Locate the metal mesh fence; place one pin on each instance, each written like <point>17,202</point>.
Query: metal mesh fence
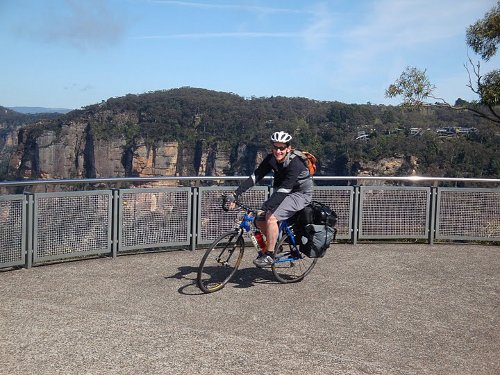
<point>155,217</point>
<point>213,221</point>
<point>468,214</point>
<point>340,200</point>
<point>69,224</point>
<point>80,223</point>
<point>11,228</point>
<point>394,212</point>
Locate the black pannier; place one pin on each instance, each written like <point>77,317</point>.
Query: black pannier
<point>316,240</point>
<point>315,229</point>
<point>323,214</point>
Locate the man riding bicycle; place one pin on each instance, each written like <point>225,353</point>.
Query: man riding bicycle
<point>292,190</point>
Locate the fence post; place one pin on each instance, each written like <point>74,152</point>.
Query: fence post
<point>29,230</point>
<point>433,213</point>
<point>355,208</point>
<point>115,221</point>
<point>194,218</point>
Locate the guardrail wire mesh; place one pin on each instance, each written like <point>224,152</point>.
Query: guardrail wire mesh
<point>11,228</point>
<point>468,214</point>
<point>67,224</point>
<point>155,217</point>
<point>394,212</point>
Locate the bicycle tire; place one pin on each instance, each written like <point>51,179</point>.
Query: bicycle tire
<point>290,266</point>
<point>220,261</point>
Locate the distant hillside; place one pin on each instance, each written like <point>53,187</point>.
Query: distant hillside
<point>9,117</point>
<point>198,132</point>
<point>36,110</point>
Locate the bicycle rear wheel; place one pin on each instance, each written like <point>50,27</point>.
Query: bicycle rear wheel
<point>220,261</point>
<point>289,264</point>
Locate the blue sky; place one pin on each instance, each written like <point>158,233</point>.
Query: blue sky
<point>73,53</point>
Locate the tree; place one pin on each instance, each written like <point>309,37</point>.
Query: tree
<point>483,38</point>
<point>413,85</point>
<point>490,88</point>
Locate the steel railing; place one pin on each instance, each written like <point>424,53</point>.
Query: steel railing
<point>44,226</point>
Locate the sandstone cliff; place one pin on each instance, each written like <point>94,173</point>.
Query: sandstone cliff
<point>74,151</point>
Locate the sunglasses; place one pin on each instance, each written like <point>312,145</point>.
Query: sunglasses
<point>281,148</point>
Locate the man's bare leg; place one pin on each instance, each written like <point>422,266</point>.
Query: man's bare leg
<point>269,227</point>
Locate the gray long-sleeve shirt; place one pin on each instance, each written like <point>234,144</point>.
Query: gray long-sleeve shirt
<point>289,177</point>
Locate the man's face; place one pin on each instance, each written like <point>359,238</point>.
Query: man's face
<point>280,150</point>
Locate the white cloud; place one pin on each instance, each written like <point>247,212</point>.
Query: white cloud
<point>394,34</point>
<point>393,25</point>
<point>239,7</point>
<point>223,35</point>
<point>84,25</point>
<point>314,34</point>
<point>320,29</point>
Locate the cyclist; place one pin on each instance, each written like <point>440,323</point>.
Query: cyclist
<point>292,190</point>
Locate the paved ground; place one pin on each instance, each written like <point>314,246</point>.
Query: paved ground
<point>365,309</point>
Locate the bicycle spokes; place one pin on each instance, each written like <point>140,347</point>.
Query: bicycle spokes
<point>220,262</point>
<point>289,264</point>
<point>226,253</point>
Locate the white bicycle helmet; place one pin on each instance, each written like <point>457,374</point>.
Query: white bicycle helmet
<point>281,137</point>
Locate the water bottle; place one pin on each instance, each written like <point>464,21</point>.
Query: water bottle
<point>260,240</point>
<point>254,241</point>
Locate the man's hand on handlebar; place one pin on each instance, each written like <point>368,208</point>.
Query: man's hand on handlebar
<point>229,202</point>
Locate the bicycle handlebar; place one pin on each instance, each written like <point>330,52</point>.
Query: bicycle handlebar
<point>226,201</point>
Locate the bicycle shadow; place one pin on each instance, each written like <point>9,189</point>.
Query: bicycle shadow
<point>243,278</point>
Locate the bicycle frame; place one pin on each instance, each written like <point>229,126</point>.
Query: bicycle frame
<point>246,221</point>
<point>284,228</point>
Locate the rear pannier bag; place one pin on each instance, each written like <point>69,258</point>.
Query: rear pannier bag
<point>317,230</point>
<point>316,240</point>
<point>322,214</point>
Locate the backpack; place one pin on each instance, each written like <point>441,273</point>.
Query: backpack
<point>309,160</point>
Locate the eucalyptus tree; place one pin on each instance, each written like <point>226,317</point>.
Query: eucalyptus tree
<point>483,37</point>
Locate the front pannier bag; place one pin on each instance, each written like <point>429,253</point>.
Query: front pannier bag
<point>318,235</point>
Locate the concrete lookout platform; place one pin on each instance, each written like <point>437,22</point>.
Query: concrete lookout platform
<point>364,309</point>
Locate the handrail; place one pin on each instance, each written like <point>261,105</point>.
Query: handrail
<point>229,178</point>
<point>116,179</point>
<point>408,178</point>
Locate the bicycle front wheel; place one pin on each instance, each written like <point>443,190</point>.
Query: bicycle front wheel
<point>290,266</point>
<point>220,261</point>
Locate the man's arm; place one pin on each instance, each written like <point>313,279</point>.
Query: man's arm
<point>262,170</point>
